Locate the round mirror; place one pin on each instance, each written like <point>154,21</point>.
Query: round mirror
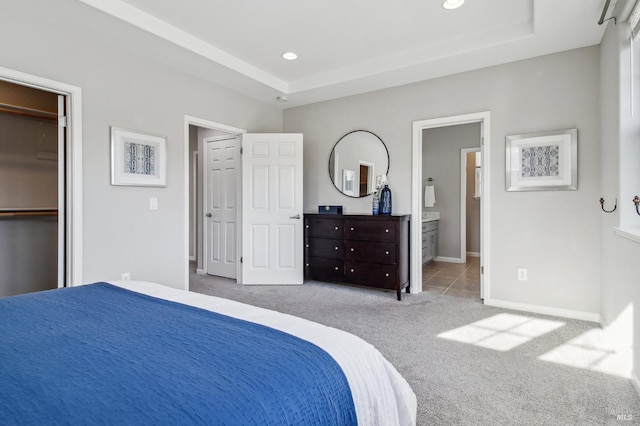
<point>357,162</point>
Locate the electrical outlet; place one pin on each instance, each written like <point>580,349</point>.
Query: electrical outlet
<point>153,203</point>
<point>126,276</point>
<point>522,274</point>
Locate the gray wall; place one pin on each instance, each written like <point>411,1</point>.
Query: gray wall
<point>545,232</point>
<point>126,90</point>
<point>620,177</point>
<point>441,161</point>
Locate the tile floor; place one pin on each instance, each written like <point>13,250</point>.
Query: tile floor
<point>453,279</point>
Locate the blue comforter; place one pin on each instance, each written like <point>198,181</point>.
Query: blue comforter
<point>102,354</point>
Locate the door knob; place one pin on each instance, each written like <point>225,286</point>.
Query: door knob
<point>295,217</point>
<point>208,215</point>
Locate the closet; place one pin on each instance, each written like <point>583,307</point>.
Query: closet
<point>30,148</point>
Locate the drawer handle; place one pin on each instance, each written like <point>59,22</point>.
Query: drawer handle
<point>336,228</point>
<point>353,229</point>
<point>386,275</point>
<point>352,270</point>
<point>307,264</point>
<point>336,247</point>
<point>386,230</point>
<point>352,249</point>
<point>336,268</point>
<point>306,245</point>
<point>386,252</point>
<point>307,226</point>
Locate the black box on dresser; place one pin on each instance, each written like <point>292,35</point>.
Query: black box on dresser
<point>358,249</point>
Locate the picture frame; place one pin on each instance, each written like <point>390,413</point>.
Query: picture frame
<point>138,159</point>
<point>542,161</point>
<point>349,182</point>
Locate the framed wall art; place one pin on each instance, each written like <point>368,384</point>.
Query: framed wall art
<point>138,159</point>
<point>544,161</point>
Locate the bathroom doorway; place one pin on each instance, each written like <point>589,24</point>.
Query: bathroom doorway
<point>454,253</point>
<point>448,161</point>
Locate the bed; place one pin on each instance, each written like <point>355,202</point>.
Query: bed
<point>142,353</point>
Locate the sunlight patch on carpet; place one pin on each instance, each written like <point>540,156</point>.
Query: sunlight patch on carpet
<point>608,350</point>
<point>501,332</point>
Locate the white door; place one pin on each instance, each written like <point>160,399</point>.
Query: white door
<point>272,241</point>
<point>222,173</point>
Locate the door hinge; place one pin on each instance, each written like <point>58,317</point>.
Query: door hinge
<point>240,150</point>
<point>62,121</point>
<point>240,259</point>
<point>482,269</point>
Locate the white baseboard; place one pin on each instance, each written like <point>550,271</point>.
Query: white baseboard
<point>635,382</point>
<point>545,310</point>
<point>473,254</point>
<point>201,272</point>
<point>448,259</point>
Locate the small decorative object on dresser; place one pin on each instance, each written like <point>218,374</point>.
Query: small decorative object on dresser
<point>358,249</point>
<point>329,209</point>
<point>385,200</point>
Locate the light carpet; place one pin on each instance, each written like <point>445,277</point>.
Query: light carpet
<point>469,364</point>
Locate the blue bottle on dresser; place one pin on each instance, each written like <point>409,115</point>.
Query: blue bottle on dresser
<point>385,200</point>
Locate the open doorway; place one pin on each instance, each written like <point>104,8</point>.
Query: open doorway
<point>267,201</point>
<point>420,181</point>
<point>41,206</point>
<point>448,215</point>
<point>214,198</point>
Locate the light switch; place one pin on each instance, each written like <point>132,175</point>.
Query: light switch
<point>153,203</point>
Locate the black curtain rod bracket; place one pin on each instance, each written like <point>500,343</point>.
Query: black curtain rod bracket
<point>605,9</point>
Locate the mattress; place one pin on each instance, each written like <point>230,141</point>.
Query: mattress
<point>379,394</point>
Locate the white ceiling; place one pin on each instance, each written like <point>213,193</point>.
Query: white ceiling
<point>343,47</point>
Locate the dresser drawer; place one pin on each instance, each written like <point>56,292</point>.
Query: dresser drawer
<point>325,228</point>
<point>370,230</point>
<point>324,247</point>
<point>374,252</point>
<point>324,269</point>
<point>373,275</point>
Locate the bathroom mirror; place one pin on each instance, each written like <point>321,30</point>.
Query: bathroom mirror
<point>357,162</point>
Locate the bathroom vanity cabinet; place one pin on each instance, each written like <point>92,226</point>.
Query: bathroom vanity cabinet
<point>429,241</point>
<point>358,249</point>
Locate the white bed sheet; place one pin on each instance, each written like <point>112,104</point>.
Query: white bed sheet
<point>380,394</point>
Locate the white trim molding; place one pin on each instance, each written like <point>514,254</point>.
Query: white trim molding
<point>545,310</point>
<point>632,234</point>
<point>449,259</point>
<point>635,382</point>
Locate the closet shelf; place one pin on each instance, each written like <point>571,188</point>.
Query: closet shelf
<point>29,112</point>
<point>27,213</point>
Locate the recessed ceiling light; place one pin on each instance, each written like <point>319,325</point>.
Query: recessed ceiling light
<point>452,4</point>
<point>289,56</point>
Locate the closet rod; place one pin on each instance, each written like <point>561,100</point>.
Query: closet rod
<point>27,213</point>
<point>29,112</point>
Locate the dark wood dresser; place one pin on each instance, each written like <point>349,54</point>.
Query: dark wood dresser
<point>358,249</point>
